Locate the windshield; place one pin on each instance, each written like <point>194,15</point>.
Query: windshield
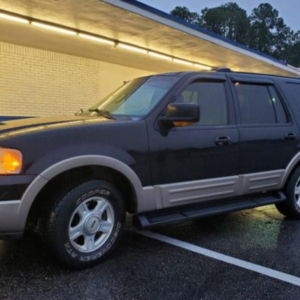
<point>137,97</point>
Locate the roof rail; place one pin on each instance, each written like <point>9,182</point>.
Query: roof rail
<point>225,70</point>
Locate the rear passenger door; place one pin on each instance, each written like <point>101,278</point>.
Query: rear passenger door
<point>268,133</point>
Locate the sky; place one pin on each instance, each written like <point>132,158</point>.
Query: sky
<point>288,9</point>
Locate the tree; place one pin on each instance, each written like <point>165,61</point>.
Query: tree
<point>185,14</point>
<point>262,21</point>
<point>263,30</point>
<point>269,34</point>
<point>228,20</point>
<point>283,40</point>
<point>293,52</point>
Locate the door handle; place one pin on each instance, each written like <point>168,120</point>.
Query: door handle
<point>290,136</point>
<point>223,140</point>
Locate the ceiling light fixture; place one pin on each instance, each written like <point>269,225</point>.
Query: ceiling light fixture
<point>132,48</point>
<point>91,37</point>
<point>13,18</point>
<point>184,62</point>
<point>202,67</point>
<point>55,28</point>
<point>159,55</point>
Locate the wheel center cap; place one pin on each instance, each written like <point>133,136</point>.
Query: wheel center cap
<point>92,225</point>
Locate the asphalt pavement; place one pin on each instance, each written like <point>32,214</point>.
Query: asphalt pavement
<point>145,268</point>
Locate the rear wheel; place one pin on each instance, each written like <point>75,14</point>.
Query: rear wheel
<point>84,225</point>
<point>291,207</point>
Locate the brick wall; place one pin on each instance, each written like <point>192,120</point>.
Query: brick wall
<point>35,82</point>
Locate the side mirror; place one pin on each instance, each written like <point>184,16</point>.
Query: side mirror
<point>181,112</point>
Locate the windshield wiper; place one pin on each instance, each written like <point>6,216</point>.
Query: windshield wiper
<point>102,113</point>
<point>79,112</point>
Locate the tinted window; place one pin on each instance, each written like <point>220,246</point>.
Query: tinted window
<point>280,113</point>
<point>259,104</point>
<point>294,89</point>
<point>211,98</point>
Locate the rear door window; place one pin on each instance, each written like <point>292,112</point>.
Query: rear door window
<point>259,104</point>
<point>280,113</point>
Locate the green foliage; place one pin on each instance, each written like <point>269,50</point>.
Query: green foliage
<point>293,53</point>
<point>263,21</point>
<point>185,14</point>
<point>228,20</point>
<point>263,30</point>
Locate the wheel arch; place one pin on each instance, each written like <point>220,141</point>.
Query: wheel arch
<point>292,166</point>
<point>77,162</point>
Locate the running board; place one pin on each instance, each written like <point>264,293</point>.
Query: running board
<point>173,216</point>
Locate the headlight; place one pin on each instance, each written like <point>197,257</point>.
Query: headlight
<point>10,161</point>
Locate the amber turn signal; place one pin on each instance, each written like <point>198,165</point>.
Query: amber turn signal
<point>10,161</point>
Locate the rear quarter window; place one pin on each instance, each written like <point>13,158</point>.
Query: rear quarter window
<point>293,90</point>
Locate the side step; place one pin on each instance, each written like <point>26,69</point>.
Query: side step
<point>181,214</point>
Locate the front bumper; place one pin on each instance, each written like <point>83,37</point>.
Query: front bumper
<point>9,226</point>
<point>12,189</point>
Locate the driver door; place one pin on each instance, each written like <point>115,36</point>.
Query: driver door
<point>196,163</point>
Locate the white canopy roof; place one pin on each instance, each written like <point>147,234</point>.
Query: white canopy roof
<point>131,22</point>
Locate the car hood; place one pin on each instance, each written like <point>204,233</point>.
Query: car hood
<point>29,125</point>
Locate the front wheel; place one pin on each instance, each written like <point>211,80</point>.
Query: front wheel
<point>85,224</point>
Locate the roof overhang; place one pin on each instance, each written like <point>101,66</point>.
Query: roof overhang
<point>134,23</point>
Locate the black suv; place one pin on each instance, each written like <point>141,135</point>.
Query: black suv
<point>165,148</point>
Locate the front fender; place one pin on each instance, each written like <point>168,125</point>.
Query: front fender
<point>43,178</point>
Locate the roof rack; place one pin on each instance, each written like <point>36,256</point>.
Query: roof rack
<point>228,70</point>
<point>223,69</point>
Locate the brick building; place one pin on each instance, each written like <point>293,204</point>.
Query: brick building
<point>57,56</point>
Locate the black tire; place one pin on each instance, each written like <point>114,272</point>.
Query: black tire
<point>58,222</point>
<point>290,208</point>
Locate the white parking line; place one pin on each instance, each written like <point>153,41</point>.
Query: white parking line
<point>225,258</point>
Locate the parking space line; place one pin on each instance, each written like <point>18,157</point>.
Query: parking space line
<point>224,258</point>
